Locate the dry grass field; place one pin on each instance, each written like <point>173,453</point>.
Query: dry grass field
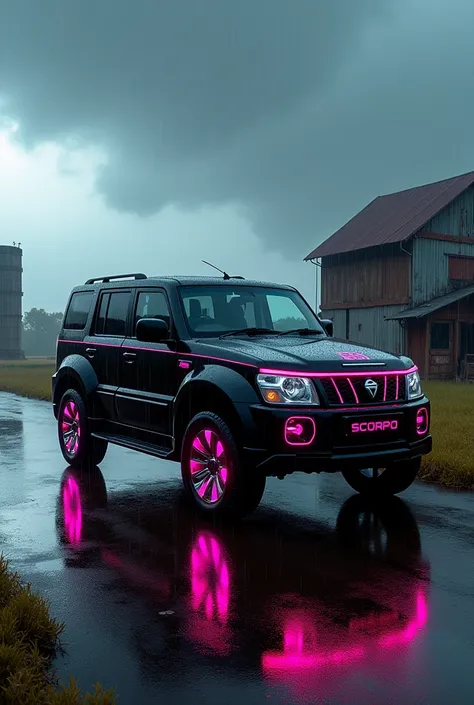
<point>451,463</point>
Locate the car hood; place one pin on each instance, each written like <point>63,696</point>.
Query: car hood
<point>300,353</point>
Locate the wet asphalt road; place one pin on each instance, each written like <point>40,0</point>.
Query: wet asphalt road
<point>316,598</point>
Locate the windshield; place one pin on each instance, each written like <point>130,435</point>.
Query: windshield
<point>214,310</point>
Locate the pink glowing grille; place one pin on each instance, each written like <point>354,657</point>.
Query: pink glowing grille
<point>350,389</point>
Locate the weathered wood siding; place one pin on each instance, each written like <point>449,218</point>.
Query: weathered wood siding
<point>456,219</point>
<point>368,326</point>
<point>373,277</point>
<point>431,267</point>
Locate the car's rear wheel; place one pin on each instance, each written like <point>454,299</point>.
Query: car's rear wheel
<point>383,481</point>
<point>78,447</point>
<point>213,474</point>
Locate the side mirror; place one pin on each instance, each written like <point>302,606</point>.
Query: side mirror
<point>152,330</point>
<point>327,324</point>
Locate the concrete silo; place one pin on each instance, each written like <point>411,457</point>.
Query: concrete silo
<point>10,302</point>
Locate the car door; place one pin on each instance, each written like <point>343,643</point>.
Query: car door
<point>147,373</point>
<point>102,347</point>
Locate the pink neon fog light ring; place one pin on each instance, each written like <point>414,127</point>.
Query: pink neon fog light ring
<point>422,421</point>
<point>296,422</point>
<point>329,375</point>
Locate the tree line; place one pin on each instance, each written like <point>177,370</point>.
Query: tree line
<point>40,332</point>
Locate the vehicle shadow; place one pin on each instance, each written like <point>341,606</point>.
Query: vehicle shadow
<point>260,589</point>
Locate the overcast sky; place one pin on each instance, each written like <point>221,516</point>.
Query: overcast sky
<point>151,134</point>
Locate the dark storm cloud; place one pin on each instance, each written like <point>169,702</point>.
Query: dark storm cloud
<point>251,102</point>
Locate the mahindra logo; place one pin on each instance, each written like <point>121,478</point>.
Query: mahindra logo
<point>371,387</point>
<point>369,426</point>
<point>353,356</point>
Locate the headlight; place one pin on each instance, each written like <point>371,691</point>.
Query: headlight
<point>287,390</point>
<point>414,385</point>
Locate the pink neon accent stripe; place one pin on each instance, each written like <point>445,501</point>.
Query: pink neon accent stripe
<point>396,388</point>
<point>166,352</point>
<point>367,373</point>
<point>385,389</point>
<point>337,390</point>
<point>262,370</point>
<point>353,390</point>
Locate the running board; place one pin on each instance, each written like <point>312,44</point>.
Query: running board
<point>133,444</point>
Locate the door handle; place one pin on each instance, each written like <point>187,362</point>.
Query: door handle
<point>90,352</point>
<point>129,357</point>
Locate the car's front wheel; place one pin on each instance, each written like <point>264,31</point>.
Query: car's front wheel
<point>212,470</point>
<point>390,480</point>
<point>78,447</point>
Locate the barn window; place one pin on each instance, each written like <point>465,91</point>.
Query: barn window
<point>439,336</point>
<point>461,268</point>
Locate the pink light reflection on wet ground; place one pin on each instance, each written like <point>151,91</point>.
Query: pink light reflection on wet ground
<point>72,511</point>
<point>210,594</point>
<point>299,653</point>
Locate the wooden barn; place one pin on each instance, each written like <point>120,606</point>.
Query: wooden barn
<point>400,276</point>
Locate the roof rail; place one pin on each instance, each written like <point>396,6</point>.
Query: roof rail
<point>105,280</point>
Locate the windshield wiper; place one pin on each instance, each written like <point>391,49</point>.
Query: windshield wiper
<point>301,331</point>
<point>250,331</point>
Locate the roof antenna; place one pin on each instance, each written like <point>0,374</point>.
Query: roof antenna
<point>226,276</point>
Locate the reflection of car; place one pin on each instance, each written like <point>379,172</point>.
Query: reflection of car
<point>284,596</point>
<point>238,381</point>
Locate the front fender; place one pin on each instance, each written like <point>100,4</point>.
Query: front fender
<point>211,388</point>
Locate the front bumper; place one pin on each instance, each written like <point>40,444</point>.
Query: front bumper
<point>334,447</point>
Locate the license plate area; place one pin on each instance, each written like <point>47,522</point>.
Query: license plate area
<point>371,428</point>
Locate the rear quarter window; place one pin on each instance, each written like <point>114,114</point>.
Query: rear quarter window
<point>78,310</point>
<point>113,313</point>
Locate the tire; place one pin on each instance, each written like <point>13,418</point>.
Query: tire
<point>227,488</point>
<point>72,419</point>
<point>392,480</point>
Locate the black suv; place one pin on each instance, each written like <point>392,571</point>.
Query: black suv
<point>238,380</point>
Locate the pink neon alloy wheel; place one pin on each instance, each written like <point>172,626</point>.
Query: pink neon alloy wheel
<point>71,428</point>
<point>208,466</point>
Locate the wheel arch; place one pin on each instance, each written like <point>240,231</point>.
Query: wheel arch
<point>75,372</point>
<point>218,390</point>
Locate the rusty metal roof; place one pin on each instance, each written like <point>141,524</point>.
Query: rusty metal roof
<point>433,305</point>
<point>393,218</point>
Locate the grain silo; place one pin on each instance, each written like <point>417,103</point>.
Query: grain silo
<point>10,302</point>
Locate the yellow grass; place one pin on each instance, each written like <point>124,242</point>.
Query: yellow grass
<point>451,463</point>
<point>30,378</point>
<point>29,640</point>
<point>452,415</point>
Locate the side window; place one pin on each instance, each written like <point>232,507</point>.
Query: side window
<point>113,312</point>
<point>284,313</point>
<point>152,304</point>
<point>78,310</point>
